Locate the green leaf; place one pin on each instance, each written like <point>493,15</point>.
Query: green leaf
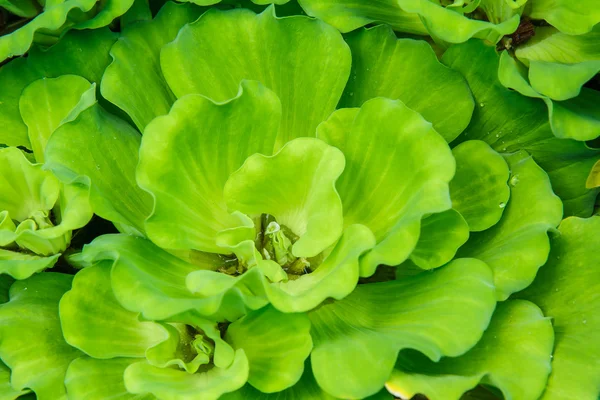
<point>517,344</point>
<point>406,69</point>
<point>305,389</point>
<point>297,187</point>
<point>517,246</point>
<point>100,151</point>
<point>93,321</point>
<point>172,384</point>
<point>6,390</point>
<point>21,8</point>
<point>440,237</point>
<point>334,278</point>
<point>92,379</point>
<point>566,289</point>
<point>593,179</point>
<point>138,12</point>
<point>559,64</point>
<point>348,15</point>
<point>136,60</point>
<point>450,25</point>
<point>5,284</point>
<point>31,195</point>
<point>187,156</point>
<point>479,190</point>
<point>276,345</point>
<point>151,281</point>
<point>50,20</point>
<point>182,349</point>
<point>439,313</point>
<point>21,265</point>
<point>509,122</point>
<point>307,63</point>
<point>32,344</point>
<point>389,191</point>
<point>577,118</point>
<point>574,18</point>
<point>82,53</point>
<point>108,11</point>
<point>26,187</point>
<point>45,104</point>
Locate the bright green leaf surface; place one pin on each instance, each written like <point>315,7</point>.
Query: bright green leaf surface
<point>479,190</point>
<point>303,60</point>
<point>51,19</point>
<point>45,104</point>
<point>572,17</point>
<point>513,355</point>
<point>100,151</point>
<point>517,246</point>
<point>32,344</point>
<point>409,70</point>
<point>6,390</point>
<point>297,187</point>
<point>187,156</point>
<point>397,170</point>
<point>559,64</point>
<point>85,374</point>
<point>276,345</point>
<point>26,188</point>
<point>149,280</point>
<point>566,289</point>
<point>441,236</point>
<point>576,118</point>
<point>509,122</point>
<point>347,15</point>
<point>93,321</point>
<point>451,26</point>
<point>136,60</point>
<point>439,313</point>
<point>172,384</point>
<point>82,53</point>
<point>593,179</point>
<point>306,389</point>
<point>29,197</point>
<point>21,265</point>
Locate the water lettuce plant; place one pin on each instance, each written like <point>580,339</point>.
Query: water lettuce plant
<point>228,203</point>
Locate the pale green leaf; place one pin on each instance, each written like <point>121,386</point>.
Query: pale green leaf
<point>276,345</point>
<point>517,246</point>
<point>91,379</point>
<point>187,156</point>
<point>136,60</point>
<point>397,170</point>
<point>32,343</point>
<point>439,313</point>
<point>566,289</point>
<point>480,190</point>
<point>513,356</point>
<point>406,69</point>
<point>303,60</point>
<point>100,151</point>
<point>297,187</point>
<point>93,321</point>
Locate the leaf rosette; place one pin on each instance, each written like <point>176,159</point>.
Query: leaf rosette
<point>292,202</point>
<point>38,215</point>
